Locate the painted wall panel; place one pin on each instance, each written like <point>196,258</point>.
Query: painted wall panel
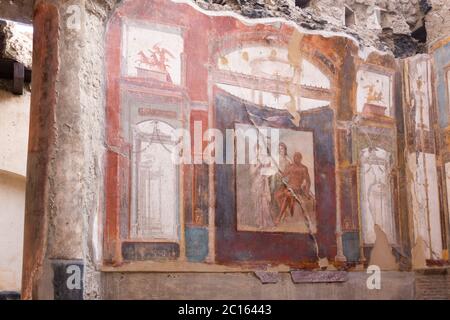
<point>441,59</point>
<point>425,202</point>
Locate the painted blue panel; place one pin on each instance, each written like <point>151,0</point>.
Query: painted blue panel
<point>196,243</point>
<point>441,60</point>
<point>350,241</point>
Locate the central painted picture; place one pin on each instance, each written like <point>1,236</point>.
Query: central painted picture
<point>278,195</point>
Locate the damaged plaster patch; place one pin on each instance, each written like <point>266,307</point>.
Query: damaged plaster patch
<point>365,48</point>
<point>268,277</point>
<point>303,276</point>
<point>16,42</point>
<point>418,254</point>
<point>381,254</point>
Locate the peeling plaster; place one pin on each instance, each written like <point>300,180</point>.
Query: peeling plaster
<point>381,254</point>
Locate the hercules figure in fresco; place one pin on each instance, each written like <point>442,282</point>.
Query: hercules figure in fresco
<point>276,181</point>
<point>297,187</point>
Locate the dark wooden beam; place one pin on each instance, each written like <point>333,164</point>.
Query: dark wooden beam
<point>19,78</point>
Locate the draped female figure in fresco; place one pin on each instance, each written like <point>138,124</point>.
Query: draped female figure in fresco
<point>260,173</point>
<point>276,181</point>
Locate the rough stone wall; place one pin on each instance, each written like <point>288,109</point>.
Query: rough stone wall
<point>437,21</point>
<point>92,101</point>
<point>17,43</point>
<point>390,30</point>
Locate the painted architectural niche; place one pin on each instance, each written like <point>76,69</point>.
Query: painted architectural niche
<point>279,81</point>
<point>374,100</point>
<point>153,52</point>
<point>374,94</point>
<point>154,183</point>
<point>376,194</point>
<point>151,57</point>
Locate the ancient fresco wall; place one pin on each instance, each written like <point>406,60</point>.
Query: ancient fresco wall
<point>422,167</point>
<point>426,123</point>
<point>352,159</point>
<point>441,76</point>
<point>302,79</point>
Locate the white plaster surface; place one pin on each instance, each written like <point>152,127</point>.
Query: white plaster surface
<point>12,200</point>
<point>14,123</point>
